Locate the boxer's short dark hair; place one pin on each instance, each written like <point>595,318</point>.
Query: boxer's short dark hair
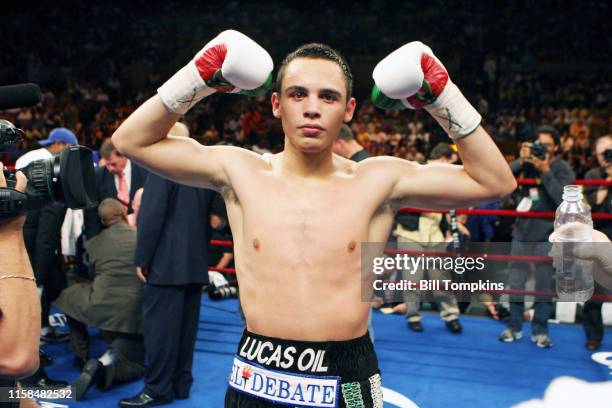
<point>317,51</point>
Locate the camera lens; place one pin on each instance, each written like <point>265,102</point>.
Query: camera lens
<point>40,178</point>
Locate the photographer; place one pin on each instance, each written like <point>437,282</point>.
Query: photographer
<point>63,179</point>
<point>530,236</point>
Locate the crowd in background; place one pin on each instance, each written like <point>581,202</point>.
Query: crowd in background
<point>94,115</point>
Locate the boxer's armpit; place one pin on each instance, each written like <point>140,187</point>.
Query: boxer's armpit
<point>228,193</point>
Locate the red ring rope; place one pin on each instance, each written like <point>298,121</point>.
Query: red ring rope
<point>504,213</point>
<point>589,182</point>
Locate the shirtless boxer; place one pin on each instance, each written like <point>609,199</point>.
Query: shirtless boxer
<point>299,217</point>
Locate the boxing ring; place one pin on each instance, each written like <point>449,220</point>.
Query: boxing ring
<point>434,368</point>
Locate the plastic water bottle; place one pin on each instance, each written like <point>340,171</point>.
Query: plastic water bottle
<point>574,276</point>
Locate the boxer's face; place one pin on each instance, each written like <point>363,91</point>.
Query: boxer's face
<point>312,104</point>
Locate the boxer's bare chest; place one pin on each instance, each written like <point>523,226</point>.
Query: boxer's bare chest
<point>309,220</point>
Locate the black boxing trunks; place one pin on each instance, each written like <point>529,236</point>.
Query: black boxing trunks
<point>270,372</point>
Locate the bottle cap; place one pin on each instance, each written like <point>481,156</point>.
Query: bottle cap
<point>572,193</point>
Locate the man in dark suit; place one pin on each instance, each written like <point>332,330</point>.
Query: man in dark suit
<point>119,178</point>
<point>171,257</point>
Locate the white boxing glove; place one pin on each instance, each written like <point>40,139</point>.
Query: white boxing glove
<point>231,62</point>
<point>412,77</point>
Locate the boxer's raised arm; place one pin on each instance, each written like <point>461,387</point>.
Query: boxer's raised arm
<point>231,62</point>
<point>447,186</point>
<point>412,77</point>
<point>143,138</point>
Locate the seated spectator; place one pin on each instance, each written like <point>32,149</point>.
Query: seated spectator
<point>111,302</point>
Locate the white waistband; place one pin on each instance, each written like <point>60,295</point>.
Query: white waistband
<point>282,387</point>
